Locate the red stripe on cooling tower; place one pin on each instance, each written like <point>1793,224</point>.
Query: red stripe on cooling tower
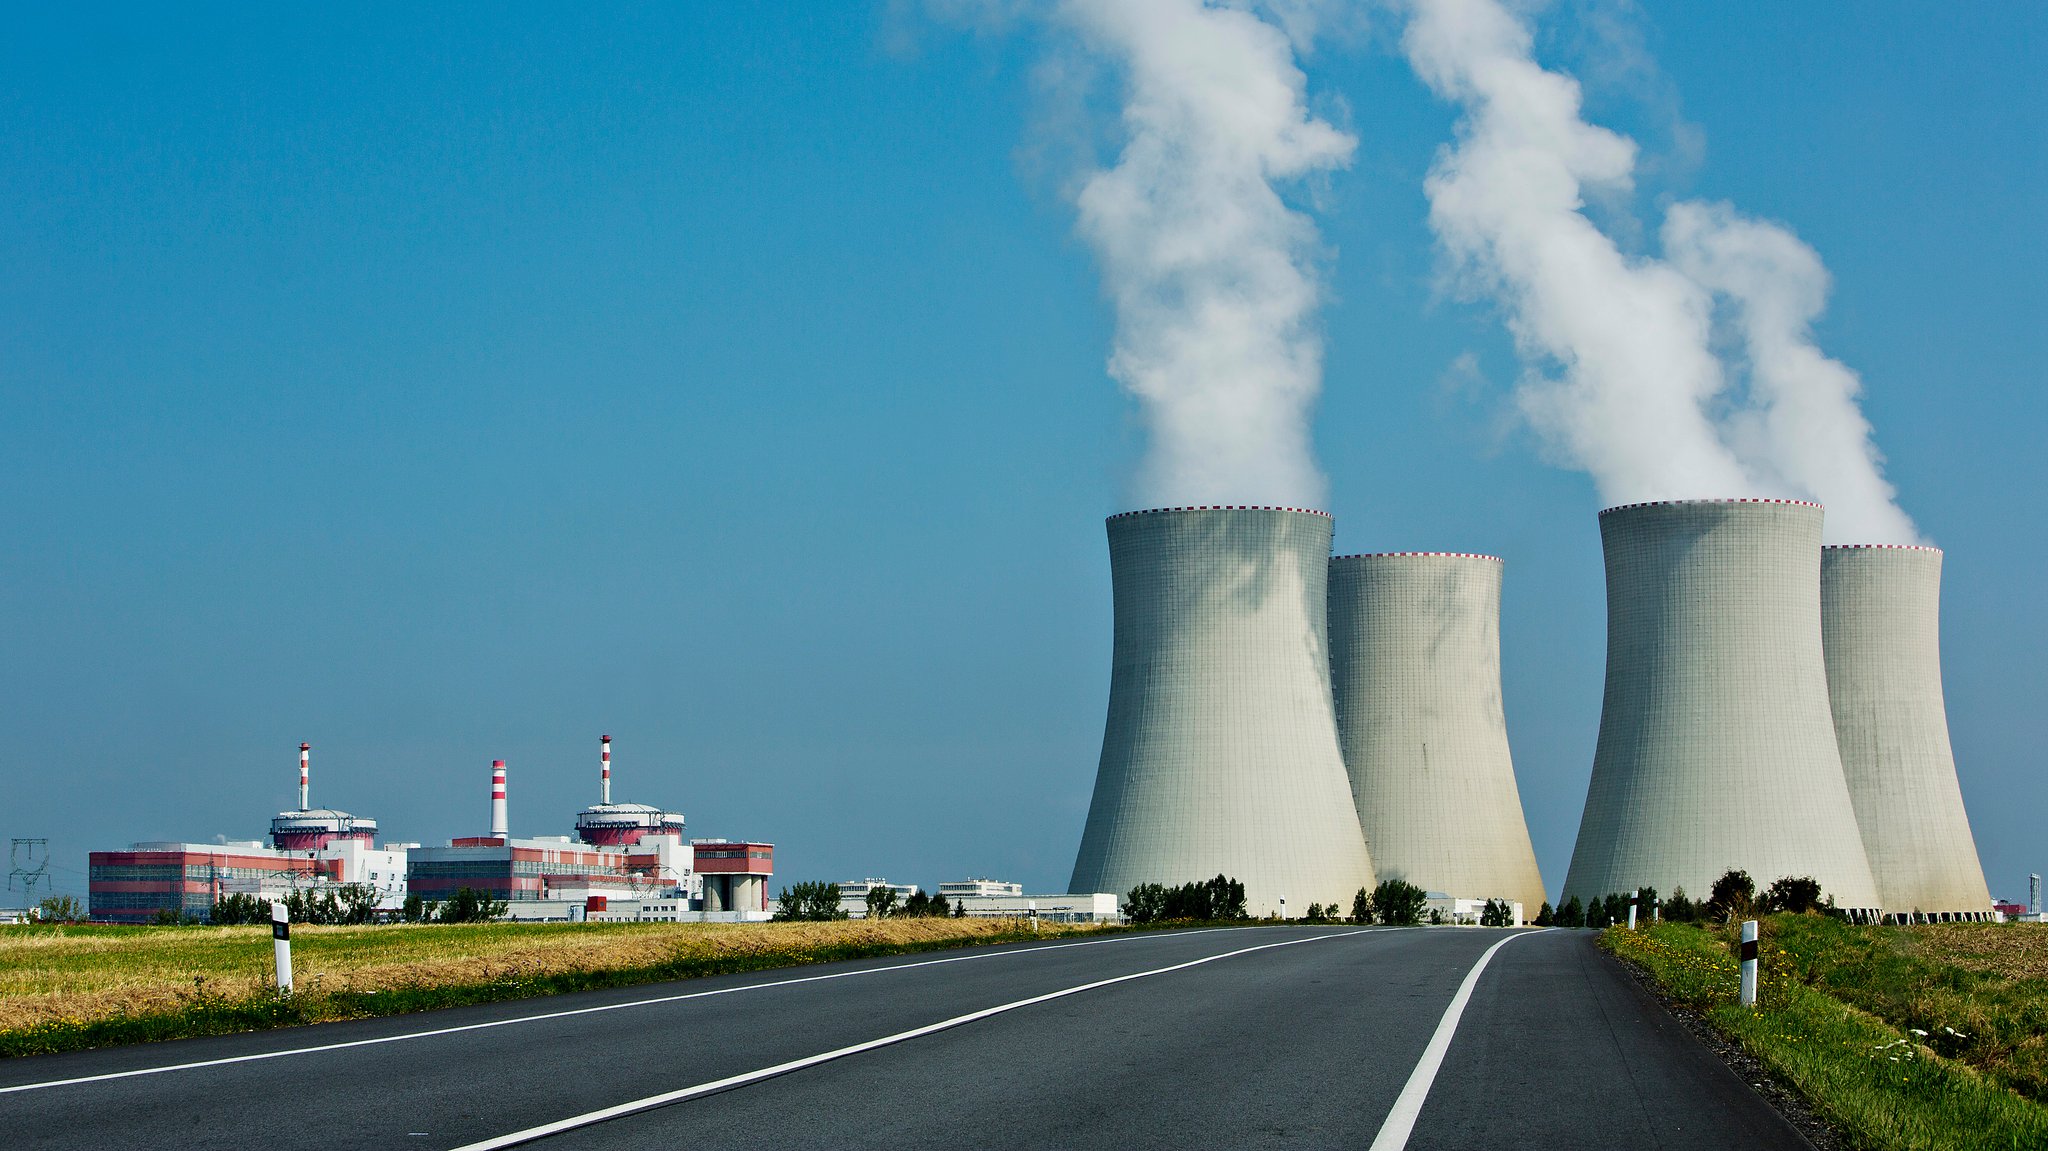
<point>1880,547</point>
<point>1729,500</point>
<point>1220,508</point>
<point>1408,555</point>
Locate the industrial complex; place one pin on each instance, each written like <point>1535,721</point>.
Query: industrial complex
<point>1310,725</point>
<point>627,862</point>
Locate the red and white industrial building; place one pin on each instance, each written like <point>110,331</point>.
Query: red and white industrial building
<point>309,848</point>
<point>628,862</point>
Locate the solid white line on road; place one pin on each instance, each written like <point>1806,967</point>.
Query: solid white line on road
<point>438,1031</point>
<point>1400,1122</point>
<point>651,1102</point>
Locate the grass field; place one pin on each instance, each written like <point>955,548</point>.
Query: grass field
<point>1900,1037</point>
<point>71,987</point>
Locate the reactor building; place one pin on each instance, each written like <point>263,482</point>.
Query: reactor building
<point>1415,675</point>
<point>1220,752</point>
<point>313,828</point>
<point>1717,740</point>
<point>608,824</point>
<point>1880,627</point>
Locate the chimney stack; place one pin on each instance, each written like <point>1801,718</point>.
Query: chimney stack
<point>498,825</point>
<point>605,742</point>
<point>305,753</point>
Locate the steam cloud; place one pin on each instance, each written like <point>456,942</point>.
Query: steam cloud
<point>1804,427</point>
<point>1639,399</point>
<point>1211,274</point>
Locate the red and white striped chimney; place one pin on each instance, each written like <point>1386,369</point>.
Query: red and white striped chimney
<point>305,753</point>
<point>499,827</point>
<point>605,742</point>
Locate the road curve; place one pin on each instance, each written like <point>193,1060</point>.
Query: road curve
<point>1269,1037</point>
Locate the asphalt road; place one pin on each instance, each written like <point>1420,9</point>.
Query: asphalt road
<point>1267,1037</point>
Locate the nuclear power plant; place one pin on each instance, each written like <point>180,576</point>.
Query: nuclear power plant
<point>1220,753</point>
<point>1717,741</point>
<point>1415,673</point>
<point>1881,629</point>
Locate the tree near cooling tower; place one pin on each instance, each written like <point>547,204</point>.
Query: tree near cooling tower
<point>1733,897</point>
<point>1398,902</point>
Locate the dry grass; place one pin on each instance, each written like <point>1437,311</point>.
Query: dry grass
<point>2011,951</point>
<point>72,976</point>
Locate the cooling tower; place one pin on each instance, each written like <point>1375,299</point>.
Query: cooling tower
<point>1717,745</point>
<point>1415,673</point>
<point>1220,753</point>
<point>1880,613</point>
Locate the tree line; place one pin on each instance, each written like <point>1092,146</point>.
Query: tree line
<point>820,902</point>
<point>352,903</point>
<point>1733,897</point>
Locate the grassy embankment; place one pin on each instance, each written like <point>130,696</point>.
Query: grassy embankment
<point>1900,1037</point>
<point>73,987</point>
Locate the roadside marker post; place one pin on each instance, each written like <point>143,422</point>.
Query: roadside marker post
<point>1749,963</point>
<point>1635,899</point>
<point>1033,905</point>
<point>281,942</point>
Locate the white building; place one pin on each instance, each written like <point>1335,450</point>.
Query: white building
<point>1466,912</point>
<point>979,888</point>
<point>1098,907</point>
<point>853,894</point>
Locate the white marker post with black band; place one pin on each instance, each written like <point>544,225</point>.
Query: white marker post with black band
<point>1635,900</point>
<point>1749,963</point>
<point>281,942</point>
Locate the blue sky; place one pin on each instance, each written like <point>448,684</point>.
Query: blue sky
<point>440,388</point>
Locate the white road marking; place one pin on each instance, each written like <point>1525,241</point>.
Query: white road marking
<point>651,1102</point>
<point>439,1031</point>
<point>1400,1122</point>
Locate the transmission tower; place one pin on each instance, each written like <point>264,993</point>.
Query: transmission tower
<point>28,863</point>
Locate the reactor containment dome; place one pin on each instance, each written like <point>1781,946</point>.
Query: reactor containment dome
<point>1415,673</point>
<point>1717,743</point>
<point>312,828</point>
<point>1220,752</point>
<point>608,824</point>
<point>1880,610</point>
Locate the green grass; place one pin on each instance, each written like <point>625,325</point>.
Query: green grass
<point>76,987</point>
<point>1836,1014</point>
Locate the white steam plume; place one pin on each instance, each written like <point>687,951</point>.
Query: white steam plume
<point>1212,275</point>
<point>1638,386</point>
<point>1628,337</point>
<point>1803,423</point>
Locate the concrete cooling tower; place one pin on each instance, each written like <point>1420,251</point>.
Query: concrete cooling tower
<point>1717,744</point>
<point>1880,615</point>
<point>1220,753</point>
<point>1415,672</point>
